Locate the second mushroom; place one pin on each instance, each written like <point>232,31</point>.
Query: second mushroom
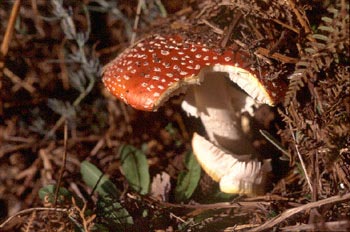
<point>219,86</point>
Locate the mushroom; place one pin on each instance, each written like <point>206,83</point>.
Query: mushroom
<point>158,67</point>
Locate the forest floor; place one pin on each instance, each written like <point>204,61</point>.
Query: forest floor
<point>59,126</point>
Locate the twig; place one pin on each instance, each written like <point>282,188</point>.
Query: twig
<point>6,41</point>
<point>230,29</point>
<point>276,56</point>
<point>301,159</point>
<point>10,27</point>
<point>215,29</point>
<point>221,205</point>
<point>286,26</point>
<point>290,212</point>
<point>162,9</point>
<point>64,161</point>
<point>17,80</point>
<point>136,22</point>
<point>326,226</point>
<point>301,20</point>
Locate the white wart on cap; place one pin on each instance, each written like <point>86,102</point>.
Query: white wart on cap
<point>154,69</point>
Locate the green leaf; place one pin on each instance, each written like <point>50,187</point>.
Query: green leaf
<point>135,168</point>
<point>48,192</point>
<point>95,179</point>
<point>113,214</point>
<point>188,180</point>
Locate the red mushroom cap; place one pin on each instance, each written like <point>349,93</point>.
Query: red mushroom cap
<point>158,67</point>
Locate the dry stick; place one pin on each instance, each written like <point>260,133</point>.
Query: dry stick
<point>10,27</point>
<point>136,22</point>
<point>290,212</point>
<point>301,159</point>
<point>301,20</point>
<point>221,205</point>
<point>230,29</point>
<point>17,80</point>
<point>215,29</point>
<point>343,225</point>
<point>296,30</point>
<point>277,56</point>
<point>6,41</point>
<point>65,138</point>
<point>26,211</point>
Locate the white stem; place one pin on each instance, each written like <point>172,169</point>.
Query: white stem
<point>219,104</point>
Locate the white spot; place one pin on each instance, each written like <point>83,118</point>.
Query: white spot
<point>164,52</point>
<point>163,80</point>
<point>160,87</point>
<point>156,78</point>
<point>198,56</point>
<point>156,69</point>
<point>174,58</point>
<point>156,94</point>
<point>215,57</point>
<point>206,58</point>
<point>227,58</point>
<point>147,76</point>
<point>145,63</point>
<point>133,71</point>
<point>158,37</point>
<point>169,75</point>
<point>183,73</point>
<point>126,77</point>
<point>193,49</point>
<point>144,84</point>
<point>189,67</point>
<point>205,49</point>
<point>197,67</point>
<point>176,67</point>
<point>143,56</point>
<point>180,53</point>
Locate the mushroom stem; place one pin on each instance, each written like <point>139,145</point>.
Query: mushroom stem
<point>219,104</point>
